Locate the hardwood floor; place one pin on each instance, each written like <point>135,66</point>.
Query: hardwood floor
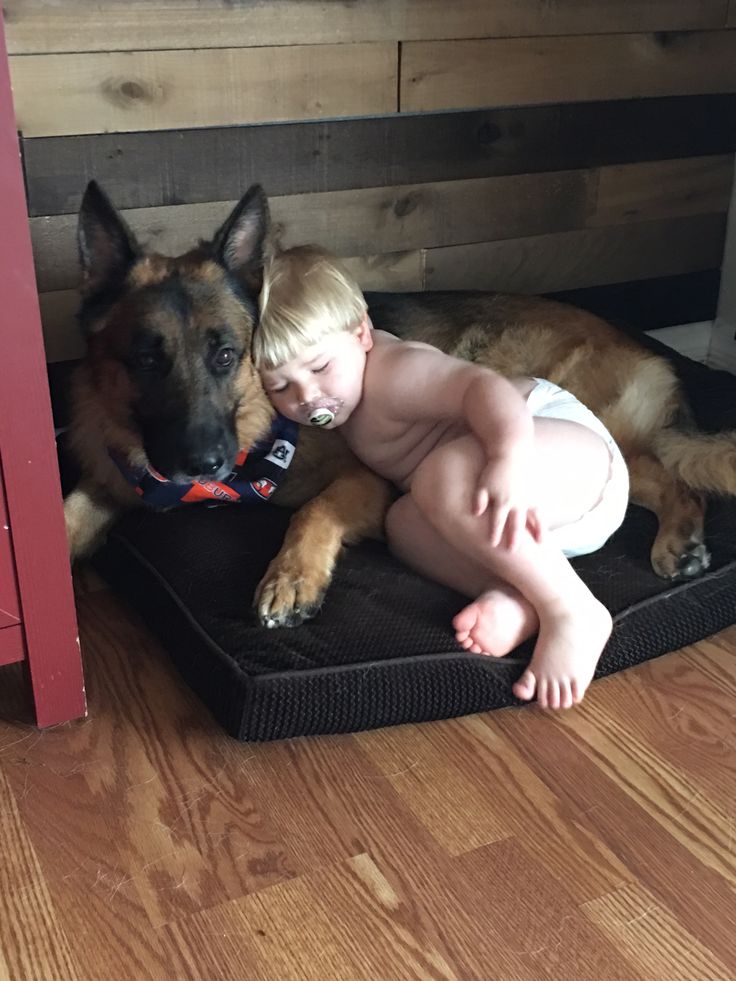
<point>144,843</point>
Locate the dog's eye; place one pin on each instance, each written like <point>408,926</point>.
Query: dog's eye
<point>146,360</point>
<point>225,357</point>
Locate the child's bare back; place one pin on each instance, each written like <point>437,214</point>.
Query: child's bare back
<point>411,404</point>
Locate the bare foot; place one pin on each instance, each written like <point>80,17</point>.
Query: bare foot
<point>565,657</point>
<point>497,622</point>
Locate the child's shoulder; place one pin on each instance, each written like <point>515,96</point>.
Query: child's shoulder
<point>396,347</point>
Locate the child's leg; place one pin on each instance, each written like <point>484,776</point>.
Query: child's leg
<point>498,619</point>
<point>573,467</point>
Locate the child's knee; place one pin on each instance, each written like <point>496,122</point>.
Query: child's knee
<point>396,517</point>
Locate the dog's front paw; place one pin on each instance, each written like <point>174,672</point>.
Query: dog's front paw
<point>286,598</point>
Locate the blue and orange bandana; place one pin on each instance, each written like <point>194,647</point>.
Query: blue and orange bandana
<point>256,475</point>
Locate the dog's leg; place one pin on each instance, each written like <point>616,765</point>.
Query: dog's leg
<point>352,507</point>
<point>87,514</point>
<point>678,551</point>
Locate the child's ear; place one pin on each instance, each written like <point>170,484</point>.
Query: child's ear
<point>364,332</point>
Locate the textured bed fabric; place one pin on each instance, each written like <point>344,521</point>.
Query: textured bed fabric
<point>381,650</point>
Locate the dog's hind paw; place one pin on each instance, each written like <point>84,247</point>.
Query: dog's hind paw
<point>687,562</point>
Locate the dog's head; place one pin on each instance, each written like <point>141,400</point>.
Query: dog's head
<point>169,338</point>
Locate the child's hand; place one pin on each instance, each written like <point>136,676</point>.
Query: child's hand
<point>503,495</point>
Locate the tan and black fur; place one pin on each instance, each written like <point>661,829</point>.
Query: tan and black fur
<point>151,389</point>
<point>168,380</point>
<point>635,392</point>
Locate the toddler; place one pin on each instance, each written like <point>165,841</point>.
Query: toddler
<point>501,479</point>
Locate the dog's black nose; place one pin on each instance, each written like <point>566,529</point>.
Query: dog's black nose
<point>204,465</point>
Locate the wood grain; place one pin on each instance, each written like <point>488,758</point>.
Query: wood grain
<point>429,216</point>
<point>164,167</point>
<point>383,219</point>
<point>516,844</point>
<point>30,930</point>
<point>521,71</point>
<point>44,26</point>
<point>632,919</point>
<point>573,260</point>
<point>663,189</point>
<point>109,92</point>
<point>63,340</point>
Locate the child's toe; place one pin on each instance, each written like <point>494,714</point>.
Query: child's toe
<point>525,686</point>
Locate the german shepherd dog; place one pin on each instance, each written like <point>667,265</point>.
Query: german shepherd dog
<point>168,383</point>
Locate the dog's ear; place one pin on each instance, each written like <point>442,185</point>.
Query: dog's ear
<point>107,247</point>
<point>239,242</point>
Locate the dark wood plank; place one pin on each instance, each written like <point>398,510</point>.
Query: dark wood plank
<point>188,166</point>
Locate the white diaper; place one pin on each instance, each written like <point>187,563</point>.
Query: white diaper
<point>593,529</point>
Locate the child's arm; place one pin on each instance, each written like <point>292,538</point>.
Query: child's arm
<point>419,382</point>
<point>498,416</point>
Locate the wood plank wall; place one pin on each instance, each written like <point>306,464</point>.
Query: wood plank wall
<point>572,148</point>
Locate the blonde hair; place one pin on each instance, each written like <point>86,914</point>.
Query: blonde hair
<point>306,295</point>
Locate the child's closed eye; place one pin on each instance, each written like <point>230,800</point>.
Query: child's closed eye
<point>317,371</point>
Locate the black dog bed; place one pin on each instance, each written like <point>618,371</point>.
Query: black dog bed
<point>381,651</point>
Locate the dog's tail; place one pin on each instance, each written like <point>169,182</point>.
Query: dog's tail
<point>702,461</point>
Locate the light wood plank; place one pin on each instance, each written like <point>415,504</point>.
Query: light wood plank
<point>492,792</point>
<point>465,74</point>
<point>405,761</point>
<point>383,220</point>
<point>63,340</point>
<point>43,26</point>
<point>374,893</point>
<point>659,787</point>
<point>32,941</point>
<point>542,921</point>
<point>62,337</point>
<point>663,189</point>
<point>418,216</point>
<point>642,930</point>
<point>95,93</point>
<point>346,906</point>
<point>573,260</point>
<point>392,271</point>
<point>689,717</point>
<point>696,894</point>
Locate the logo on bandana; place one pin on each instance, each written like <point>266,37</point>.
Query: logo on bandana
<point>263,487</point>
<point>281,453</point>
<point>257,473</point>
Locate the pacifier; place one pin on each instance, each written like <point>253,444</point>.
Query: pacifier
<point>322,411</point>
